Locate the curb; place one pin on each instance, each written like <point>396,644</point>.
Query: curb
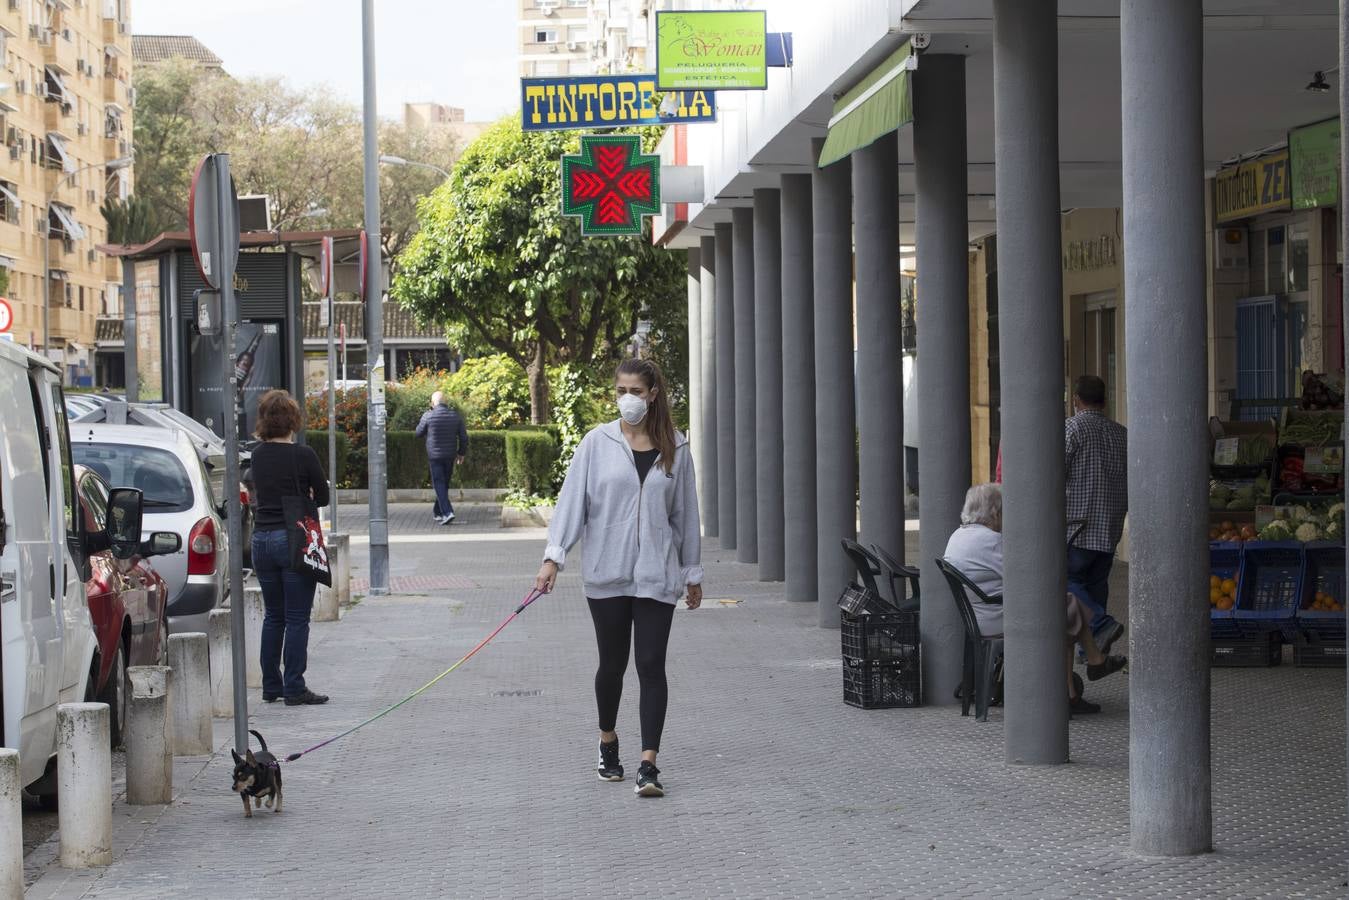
<point>425,495</point>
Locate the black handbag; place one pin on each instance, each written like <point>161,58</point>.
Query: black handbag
<point>304,533</point>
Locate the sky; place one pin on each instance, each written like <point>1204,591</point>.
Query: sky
<point>456,52</point>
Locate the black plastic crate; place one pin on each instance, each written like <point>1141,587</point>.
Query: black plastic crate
<point>882,685</point>
<point>1224,563</point>
<point>1270,589</point>
<point>1324,574</point>
<point>880,637</point>
<point>1260,651</point>
<point>1317,655</point>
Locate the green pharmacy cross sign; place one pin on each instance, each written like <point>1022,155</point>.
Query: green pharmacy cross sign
<point>610,185</point>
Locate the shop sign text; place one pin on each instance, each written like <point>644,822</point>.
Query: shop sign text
<point>1090,255</point>
<point>720,51</point>
<point>1314,154</point>
<point>1260,186</point>
<point>596,101</point>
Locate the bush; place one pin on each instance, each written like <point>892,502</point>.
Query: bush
<point>351,423</point>
<point>484,467</point>
<point>414,399</point>
<point>319,441</point>
<point>529,461</point>
<point>495,388</point>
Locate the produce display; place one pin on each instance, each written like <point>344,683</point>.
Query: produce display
<point>1312,431</point>
<point>1306,524</point>
<point>1233,533</point>
<point>1254,450</point>
<point>1324,602</point>
<point>1241,496</point>
<point>1321,392</point>
<point>1222,592</point>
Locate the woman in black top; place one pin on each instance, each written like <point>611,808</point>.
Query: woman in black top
<point>282,469</point>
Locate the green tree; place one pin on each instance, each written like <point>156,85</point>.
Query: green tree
<point>495,254</point>
<point>134,220</point>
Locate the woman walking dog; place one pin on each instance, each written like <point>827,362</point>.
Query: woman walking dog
<point>630,492</point>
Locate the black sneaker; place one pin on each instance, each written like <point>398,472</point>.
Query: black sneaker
<point>270,698</point>
<point>1109,666</point>
<point>1080,706</point>
<point>647,785</point>
<point>308,698</point>
<point>609,768</point>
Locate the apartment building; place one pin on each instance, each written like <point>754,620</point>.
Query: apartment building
<point>554,37</point>
<point>65,115</point>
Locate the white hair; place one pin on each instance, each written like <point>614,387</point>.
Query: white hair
<point>983,506</point>
<point>437,398</point>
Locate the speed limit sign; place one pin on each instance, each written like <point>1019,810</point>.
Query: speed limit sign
<point>6,315</point>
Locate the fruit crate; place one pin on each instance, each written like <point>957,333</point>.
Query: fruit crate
<point>1225,565</point>
<point>1323,577</point>
<point>1260,651</point>
<point>1270,589</point>
<point>1318,655</point>
<point>882,685</point>
<point>880,637</point>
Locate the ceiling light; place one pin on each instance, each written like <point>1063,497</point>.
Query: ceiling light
<point>1318,84</point>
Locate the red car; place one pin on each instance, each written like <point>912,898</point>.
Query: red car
<point>127,603</point>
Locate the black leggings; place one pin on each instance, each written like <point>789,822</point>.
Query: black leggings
<point>620,622</point>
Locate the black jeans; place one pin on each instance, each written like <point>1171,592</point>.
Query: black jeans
<point>441,472</point>
<point>1089,579</point>
<point>619,623</point>
<point>287,599</point>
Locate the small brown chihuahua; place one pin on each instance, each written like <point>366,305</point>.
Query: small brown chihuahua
<point>257,776</point>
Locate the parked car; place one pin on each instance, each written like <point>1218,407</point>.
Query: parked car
<point>163,463</point>
<point>47,643</point>
<point>82,404</point>
<point>128,603</point>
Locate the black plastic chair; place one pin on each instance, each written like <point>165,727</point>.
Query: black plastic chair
<point>981,653</point>
<point>897,573</point>
<point>868,569</point>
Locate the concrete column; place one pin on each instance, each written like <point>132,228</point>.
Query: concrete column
<point>798,390</point>
<point>1344,232</point>
<point>11,826</point>
<point>725,405</point>
<point>880,358</point>
<point>1170,792</point>
<point>190,693</point>
<point>707,475</point>
<point>222,666</point>
<point>943,332</point>
<point>253,635</point>
<point>695,373</point>
<point>768,380</point>
<point>746,399</point>
<point>149,747</point>
<point>325,603</point>
<point>1030,334</point>
<point>835,404</point>
<point>84,784</point>
<point>339,547</point>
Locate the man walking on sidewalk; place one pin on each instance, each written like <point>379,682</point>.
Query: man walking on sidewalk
<point>1095,453</point>
<point>446,444</point>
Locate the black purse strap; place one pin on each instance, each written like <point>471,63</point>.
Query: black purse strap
<point>295,469</point>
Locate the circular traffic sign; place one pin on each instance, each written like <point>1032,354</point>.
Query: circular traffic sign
<point>325,266</point>
<point>365,253</point>
<point>6,315</point>
<point>212,220</point>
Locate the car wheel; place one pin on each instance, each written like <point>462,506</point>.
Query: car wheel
<point>116,693</point>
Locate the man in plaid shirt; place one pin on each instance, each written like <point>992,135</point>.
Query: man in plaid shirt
<point>1095,454</point>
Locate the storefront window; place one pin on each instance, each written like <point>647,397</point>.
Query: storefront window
<point>1275,258</point>
<point>1257,242</point>
<point>1299,239</point>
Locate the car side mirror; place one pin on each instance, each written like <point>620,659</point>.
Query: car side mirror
<point>161,543</point>
<point>125,509</point>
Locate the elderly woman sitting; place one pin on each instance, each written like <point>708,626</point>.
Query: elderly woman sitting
<point>976,550</point>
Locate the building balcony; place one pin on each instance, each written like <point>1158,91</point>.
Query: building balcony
<point>114,90</point>
<point>116,147</point>
<point>62,53</point>
<point>65,322</point>
<point>55,117</point>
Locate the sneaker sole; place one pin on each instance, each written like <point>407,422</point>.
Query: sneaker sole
<point>603,777</point>
<point>649,790</point>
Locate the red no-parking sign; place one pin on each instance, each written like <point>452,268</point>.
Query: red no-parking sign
<point>6,316</point>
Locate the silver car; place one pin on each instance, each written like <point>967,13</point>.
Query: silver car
<point>164,464</point>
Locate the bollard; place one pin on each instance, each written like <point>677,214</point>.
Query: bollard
<point>84,784</point>
<point>11,826</point>
<point>149,752</point>
<point>222,666</point>
<point>253,635</point>
<point>190,694</point>
<point>340,549</point>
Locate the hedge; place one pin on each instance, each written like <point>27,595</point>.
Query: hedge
<point>484,467</point>
<point>319,441</point>
<point>530,456</point>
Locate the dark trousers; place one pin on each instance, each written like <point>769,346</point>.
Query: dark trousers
<point>621,622</point>
<point>287,599</point>
<point>441,472</point>
<point>1089,579</point>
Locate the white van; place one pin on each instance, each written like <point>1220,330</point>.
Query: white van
<point>47,641</point>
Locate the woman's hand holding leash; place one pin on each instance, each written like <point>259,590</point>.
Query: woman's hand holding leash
<point>547,577</point>
<point>695,598</point>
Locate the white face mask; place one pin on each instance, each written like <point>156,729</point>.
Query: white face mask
<point>632,408</point>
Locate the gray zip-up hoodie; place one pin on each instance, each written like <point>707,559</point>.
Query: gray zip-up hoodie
<point>641,538</point>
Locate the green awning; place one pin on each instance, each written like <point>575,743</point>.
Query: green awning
<point>879,104</point>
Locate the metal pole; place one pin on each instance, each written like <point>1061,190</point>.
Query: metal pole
<point>697,439</point>
<point>835,392</point>
<point>725,408</point>
<point>798,390</point>
<point>1170,791</point>
<point>332,404</point>
<point>707,475</point>
<point>233,509</point>
<point>47,280</point>
<point>939,150</point>
<point>746,426</point>
<point>880,358</point>
<point>1030,334</point>
<point>768,380</point>
<point>374,338</point>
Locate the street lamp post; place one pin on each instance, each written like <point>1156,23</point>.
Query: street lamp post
<point>399,161</point>
<point>113,166</point>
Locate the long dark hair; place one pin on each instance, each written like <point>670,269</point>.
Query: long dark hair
<point>659,423</point>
